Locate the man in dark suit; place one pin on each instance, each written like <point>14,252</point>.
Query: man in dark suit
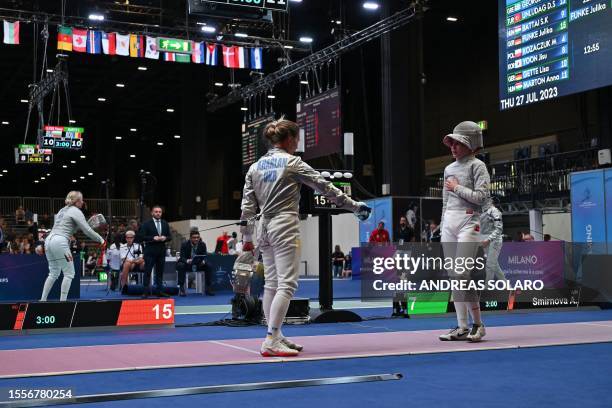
<point>189,250</point>
<point>154,234</point>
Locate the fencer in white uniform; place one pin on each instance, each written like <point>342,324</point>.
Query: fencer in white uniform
<point>466,189</point>
<point>67,222</point>
<point>272,185</point>
<point>491,231</point>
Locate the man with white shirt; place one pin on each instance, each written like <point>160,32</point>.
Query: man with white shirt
<point>132,258</point>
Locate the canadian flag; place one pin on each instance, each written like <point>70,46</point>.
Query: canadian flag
<point>79,40</point>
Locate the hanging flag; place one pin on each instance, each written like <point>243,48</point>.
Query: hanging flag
<point>79,40</point>
<point>137,49</point>
<point>211,54</point>
<point>198,53</point>
<point>64,38</point>
<point>152,52</point>
<point>229,57</point>
<point>109,43</point>
<point>169,56</point>
<point>256,58</point>
<point>11,32</point>
<point>242,57</point>
<point>184,58</point>
<point>123,44</point>
<point>94,42</point>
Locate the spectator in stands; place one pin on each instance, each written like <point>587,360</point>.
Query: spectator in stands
<point>29,215</point>
<point>189,250</point>
<point>337,261</point>
<point>113,258</point>
<point>527,237</point>
<point>411,216</point>
<point>380,235</point>
<point>518,237</point>
<point>547,237</point>
<point>405,233</point>
<point>231,243</point>
<point>221,247</point>
<point>132,258</point>
<point>348,265</point>
<point>19,216</point>
<point>92,261</point>
<point>433,235</point>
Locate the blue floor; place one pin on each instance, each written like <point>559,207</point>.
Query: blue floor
<point>568,376</point>
<point>218,332</point>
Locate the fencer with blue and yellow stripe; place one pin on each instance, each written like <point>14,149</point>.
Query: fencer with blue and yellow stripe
<point>272,186</point>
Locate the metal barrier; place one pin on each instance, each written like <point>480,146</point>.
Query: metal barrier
<point>530,178</point>
<point>8,205</point>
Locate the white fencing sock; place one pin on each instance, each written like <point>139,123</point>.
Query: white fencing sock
<point>66,282</point>
<point>47,288</point>
<point>268,297</point>
<point>474,308</point>
<point>278,310</point>
<point>461,309</point>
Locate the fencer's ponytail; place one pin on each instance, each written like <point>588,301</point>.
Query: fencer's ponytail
<point>73,197</point>
<point>279,130</point>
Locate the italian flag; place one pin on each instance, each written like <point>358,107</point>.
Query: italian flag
<point>64,38</point>
<point>11,32</point>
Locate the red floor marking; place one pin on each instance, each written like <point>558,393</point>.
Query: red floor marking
<point>87,359</point>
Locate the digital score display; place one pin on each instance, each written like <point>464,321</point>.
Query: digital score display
<point>277,5</point>
<point>106,313</point>
<point>552,48</point>
<point>253,144</point>
<point>63,137</point>
<point>32,154</point>
<point>320,124</point>
<point>320,202</point>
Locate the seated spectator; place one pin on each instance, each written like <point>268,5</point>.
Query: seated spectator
<point>405,233</point>
<point>113,258</point>
<point>189,250</point>
<point>29,215</point>
<point>380,235</point>
<point>547,237</point>
<point>348,266</point>
<point>20,215</point>
<point>231,244</point>
<point>132,258</point>
<point>92,262</point>
<point>434,233</point>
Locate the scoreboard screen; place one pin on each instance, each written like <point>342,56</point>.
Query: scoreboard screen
<point>552,48</point>
<point>320,202</point>
<point>32,154</point>
<point>63,137</point>
<point>320,124</point>
<point>105,313</point>
<point>253,144</point>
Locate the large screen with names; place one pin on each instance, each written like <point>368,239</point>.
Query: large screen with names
<point>552,48</point>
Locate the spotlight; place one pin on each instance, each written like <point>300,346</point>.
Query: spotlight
<point>452,19</point>
<point>102,99</point>
<point>218,84</point>
<point>271,97</point>
<point>170,110</point>
<point>160,143</point>
<point>96,17</point>
<point>133,130</point>
<point>370,5</point>
<point>306,40</point>
<point>177,136</point>
<point>241,35</point>
<point>209,29</point>
<point>24,101</point>
<point>132,156</point>
<point>142,68</point>
<point>72,121</point>
<point>120,85</point>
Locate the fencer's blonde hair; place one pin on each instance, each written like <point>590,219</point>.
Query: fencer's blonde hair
<point>73,197</point>
<point>279,130</point>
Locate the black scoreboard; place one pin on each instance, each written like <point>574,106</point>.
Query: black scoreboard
<point>106,313</point>
<point>32,154</point>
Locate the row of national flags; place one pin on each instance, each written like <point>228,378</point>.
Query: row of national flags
<point>144,46</point>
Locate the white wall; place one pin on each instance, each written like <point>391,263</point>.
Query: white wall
<point>559,226</point>
<point>345,232</point>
